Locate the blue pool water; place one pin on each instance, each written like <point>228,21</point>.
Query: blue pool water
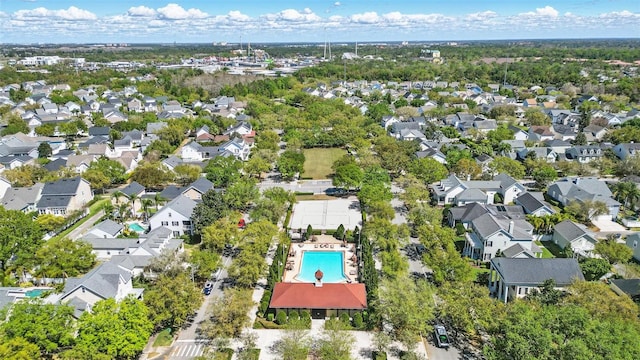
<point>136,227</point>
<point>331,263</point>
<point>34,293</point>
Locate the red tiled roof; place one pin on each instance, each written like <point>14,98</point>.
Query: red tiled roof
<point>328,296</point>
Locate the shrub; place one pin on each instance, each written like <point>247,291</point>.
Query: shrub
<point>270,317</point>
<point>294,316</point>
<point>358,323</point>
<point>344,318</point>
<point>305,316</point>
<point>379,355</point>
<point>339,232</point>
<point>460,230</point>
<point>281,317</point>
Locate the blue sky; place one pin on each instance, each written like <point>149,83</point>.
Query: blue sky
<point>205,21</point>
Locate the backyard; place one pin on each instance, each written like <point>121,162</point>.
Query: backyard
<point>318,162</point>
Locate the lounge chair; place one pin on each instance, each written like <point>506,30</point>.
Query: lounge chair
<point>331,246</point>
<point>315,246</point>
<point>352,272</point>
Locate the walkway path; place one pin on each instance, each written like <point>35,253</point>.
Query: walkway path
<point>85,226</point>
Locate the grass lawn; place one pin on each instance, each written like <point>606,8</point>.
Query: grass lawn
<point>164,338</point>
<point>314,197</point>
<point>546,254</point>
<point>554,249</point>
<point>317,164</point>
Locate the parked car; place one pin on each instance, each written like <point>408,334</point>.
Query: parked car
<point>206,290</point>
<point>442,339</point>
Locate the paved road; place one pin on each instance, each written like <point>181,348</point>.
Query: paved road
<point>85,226</point>
<point>189,345</point>
<point>306,186</point>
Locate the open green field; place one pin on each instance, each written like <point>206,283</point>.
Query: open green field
<point>317,164</point>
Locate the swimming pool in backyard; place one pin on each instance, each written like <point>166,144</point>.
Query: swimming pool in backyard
<point>137,228</point>
<point>331,263</point>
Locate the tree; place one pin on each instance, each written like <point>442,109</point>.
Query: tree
<point>586,210</point>
<point>118,330</point>
<point>503,164</point>
<point>594,269</point>
<point>348,176</point>
<point>223,171</point>
<point>626,192</point>
<point>544,174</point>
<point>467,168</point>
<point>228,314</point>
<point>428,170</point>
<point>547,294</point>
<point>295,344</point>
<point>256,166</point>
<point>97,179</point>
<point>205,263</point>
<point>63,258</point>
<point>335,343</point>
<point>536,117</point>
<point>187,173</point>
<point>49,327</point>
<point>44,150</point>
<point>172,134</point>
<point>151,175</point>
<point>247,268</point>
<point>581,139</point>
<point>50,222</point>
<point>113,170</point>
<point>15,125</point>
<point>613,251</point>
<point>290,163</point>
<point>171,300</point>
<point>19,349</point>
<point>211,208</point>
<point>222,232</point>
<point>240,194</point>
<point>406,306</point>
<point>20,237</point>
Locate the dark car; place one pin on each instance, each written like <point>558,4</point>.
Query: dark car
<point>206,290</point>
<point>441,336</point>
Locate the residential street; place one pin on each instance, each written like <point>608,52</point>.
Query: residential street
<point>85,226</point>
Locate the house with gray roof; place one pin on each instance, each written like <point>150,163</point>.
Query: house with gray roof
<point>584,154</point>
<point>197,188</point>
<point>22,198</point>
<point>176,216</point>
<point>626,150</point>
<point>64,196</point>
<point>512,278</point>
<point>575,236</point>
<point>106,281</point>
<point>491,234</point>
<point>452,190</point>
<point>578,189</point>
<point>106,229</point>
<point>534,204</point>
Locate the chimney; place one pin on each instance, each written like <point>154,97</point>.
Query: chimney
<point>511,227</point>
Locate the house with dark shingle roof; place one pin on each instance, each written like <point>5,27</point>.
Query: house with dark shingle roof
<point>534,204</point>
<point>64,196</point>
<point>627,287</point>
<point>577,237</point>
<point>567,190</point>
<point>490,234</point>
<point>511,278</point>
<point>106,229</point>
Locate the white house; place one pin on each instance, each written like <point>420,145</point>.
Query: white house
<point>175,215</point>
<point>581,241</point>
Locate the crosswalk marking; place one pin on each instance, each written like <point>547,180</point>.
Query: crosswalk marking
<point>186,351</point>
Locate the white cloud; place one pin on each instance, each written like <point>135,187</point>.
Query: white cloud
<point>370,17</point>
<point>337,3</point>
<point>235,15</point>
<point>176,12</point>
<point>292,15</point>
<point>72,13</point>
<point>482,16</point>
<point>141,11</point>
<point>545,11</point>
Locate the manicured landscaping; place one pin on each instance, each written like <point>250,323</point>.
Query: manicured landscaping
<point>93,209</point>
<point>546,254</point>
<point>554,249</point>
<point>318,162</point>
<point>164,338</point>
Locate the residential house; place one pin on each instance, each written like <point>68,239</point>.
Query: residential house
<point>80,163</point>
<point>64,196</point>
<point>558,146</point>
<point>484,161</point>
<point>485,125</point>
<point>196,189</point>
<point>434,154</point>
<point>518,133</point>
<point>242,128</point>
<point>132,191</point>
<point>106,229</point>
<point>594,133</point>
<point>239,148</point>
<point>534,204</point>
<point>22,198</point>
<point>633,243</point>
<point>490,235</point>
<point>578,238</point>
<point>625,150</point>
<point>512,278</point>
<point>627,287</point>
<point>203,134</point>
<point>540,133</point>
<point>175,215</point>
<point>543,152</point>
<point>584,154</point>
<point>567,190</point>
<point>455,191</point>
<point>196,152</point>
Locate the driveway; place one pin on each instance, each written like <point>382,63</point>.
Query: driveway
<point>607,227</point>
<point>85,226</point>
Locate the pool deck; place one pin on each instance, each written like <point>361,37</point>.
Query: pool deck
<point>324,243</point>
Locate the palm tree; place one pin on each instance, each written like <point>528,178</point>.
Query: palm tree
<point>158,199</point>
<point>627,193</point>
<point>122,211</point>
<point>132,199</point>
<point>116,195</point>
<point>146,203</point>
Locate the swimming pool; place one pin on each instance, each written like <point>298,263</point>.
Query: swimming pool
<point>137,227</point>
<point>34,293</point>
<point>331,263</point>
